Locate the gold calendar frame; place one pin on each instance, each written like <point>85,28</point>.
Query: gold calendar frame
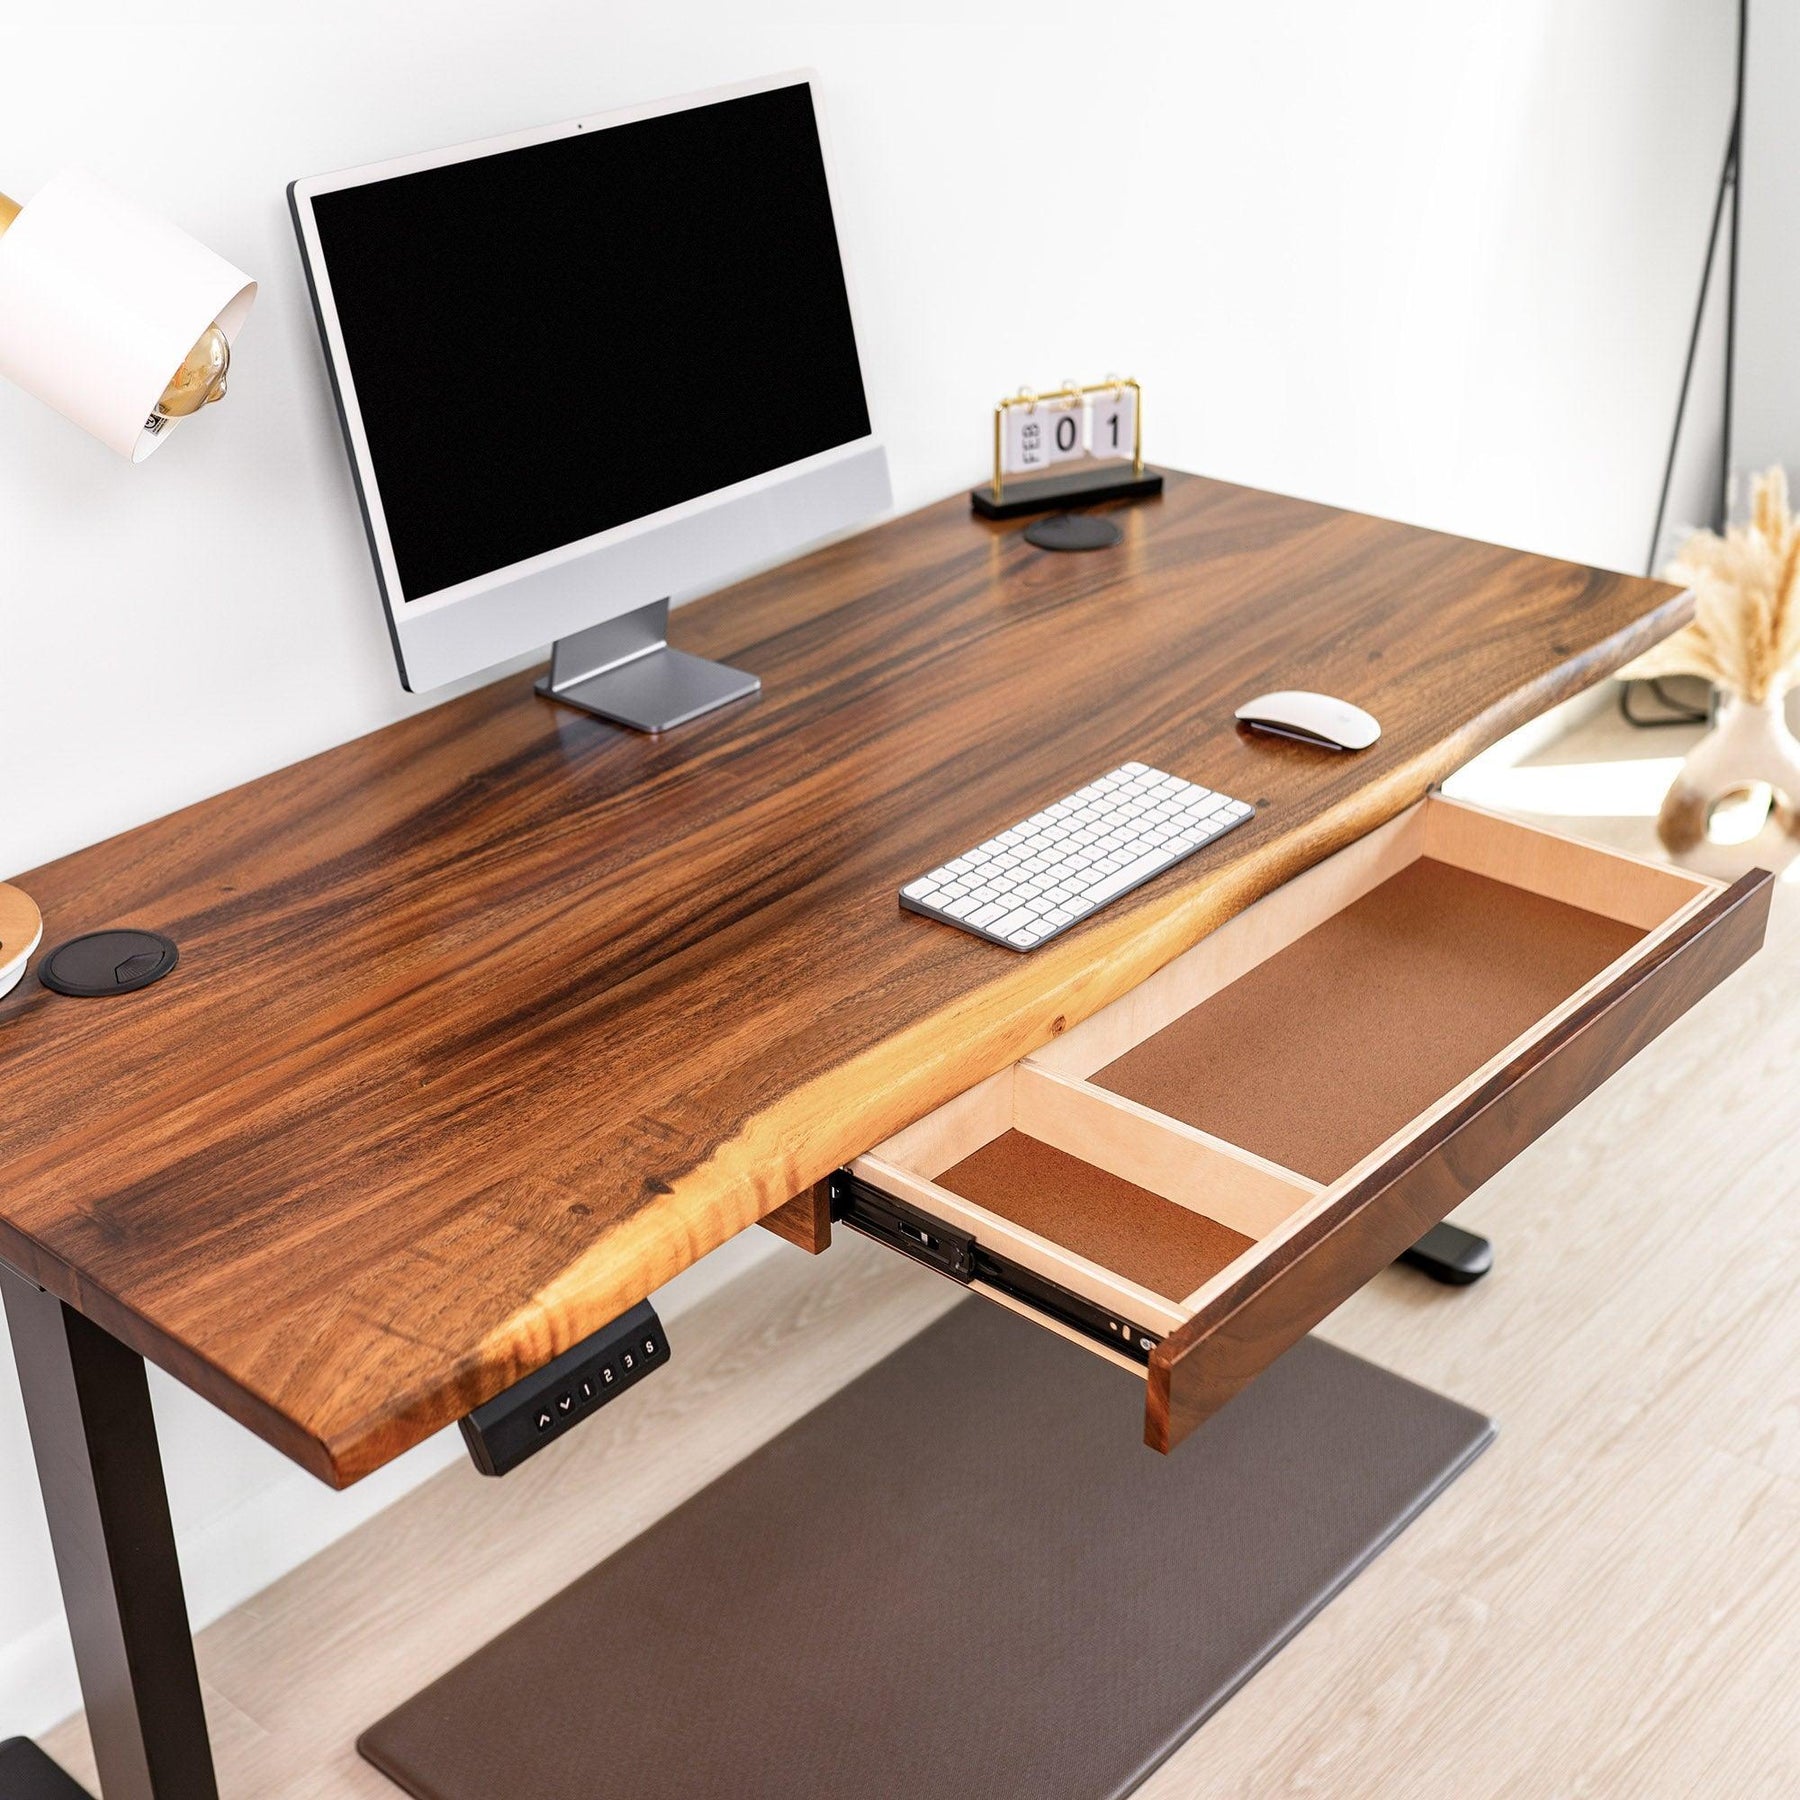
<point>1068,391</point>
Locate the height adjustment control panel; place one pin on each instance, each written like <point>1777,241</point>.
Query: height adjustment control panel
<point>536,1411</point>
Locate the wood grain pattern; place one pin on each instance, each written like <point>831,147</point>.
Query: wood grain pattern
<point>492,1021</point>
<point>1195,1370</point>
<point>805,1220</point>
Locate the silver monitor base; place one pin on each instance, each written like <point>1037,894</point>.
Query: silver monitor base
<point>625,671</point>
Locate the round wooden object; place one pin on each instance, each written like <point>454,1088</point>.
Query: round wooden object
<point>21,931</point>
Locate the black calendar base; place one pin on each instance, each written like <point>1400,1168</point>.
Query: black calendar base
<point>1053,493</point>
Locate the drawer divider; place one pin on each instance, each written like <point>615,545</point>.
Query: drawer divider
<point>1183,1164</point>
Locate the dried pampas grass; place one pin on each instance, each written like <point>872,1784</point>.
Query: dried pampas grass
<point>1745,636</point>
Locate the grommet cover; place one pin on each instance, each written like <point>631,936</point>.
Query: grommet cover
<point>108,962</point>
<point>1073,531</point>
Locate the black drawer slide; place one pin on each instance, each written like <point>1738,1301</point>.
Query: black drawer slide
<point>961,1256</point>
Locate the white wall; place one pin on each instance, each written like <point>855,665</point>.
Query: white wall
<point>1429,259</point>
<point>1766,421</point>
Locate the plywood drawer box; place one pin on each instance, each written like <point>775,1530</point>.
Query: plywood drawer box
<point>1191,1179</point>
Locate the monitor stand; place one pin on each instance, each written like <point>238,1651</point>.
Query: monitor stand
<point>625,671</point>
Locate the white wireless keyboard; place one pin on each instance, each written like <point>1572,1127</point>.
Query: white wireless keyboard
<point>1024,886</point>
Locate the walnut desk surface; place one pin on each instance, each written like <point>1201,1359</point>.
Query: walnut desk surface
<point>492,1021</point>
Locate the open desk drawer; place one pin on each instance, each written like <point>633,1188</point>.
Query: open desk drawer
<point>1194,1177</point>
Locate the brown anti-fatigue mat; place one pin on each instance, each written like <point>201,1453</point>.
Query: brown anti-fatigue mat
<point>1323,1052</point>
<point>962,1575</point>
<point>1110,1221</point>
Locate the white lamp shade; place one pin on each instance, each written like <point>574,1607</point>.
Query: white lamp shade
<point>100,302</point>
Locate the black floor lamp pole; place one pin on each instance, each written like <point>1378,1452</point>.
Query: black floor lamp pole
<point>1729,190</point>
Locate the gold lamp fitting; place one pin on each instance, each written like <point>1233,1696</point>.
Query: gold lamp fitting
<point>201,378</point>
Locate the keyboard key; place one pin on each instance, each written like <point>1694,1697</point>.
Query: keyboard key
<point>1025,884</point>
<point>1133,872</point>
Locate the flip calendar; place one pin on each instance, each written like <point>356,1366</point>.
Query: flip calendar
<point>1065,445</point>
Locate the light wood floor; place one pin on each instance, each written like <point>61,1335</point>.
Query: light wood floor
<point>1608,1603</point>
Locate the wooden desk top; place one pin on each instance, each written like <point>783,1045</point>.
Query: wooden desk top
<point>490,1022</point>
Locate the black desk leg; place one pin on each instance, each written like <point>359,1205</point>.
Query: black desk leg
<point>88,1405</point>
<point>1451,1255</point>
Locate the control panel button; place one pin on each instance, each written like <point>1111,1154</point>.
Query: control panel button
<point>548,1404</point>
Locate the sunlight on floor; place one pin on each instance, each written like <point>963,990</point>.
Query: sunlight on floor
<point>1605,781</point>
<point>1574,790</point>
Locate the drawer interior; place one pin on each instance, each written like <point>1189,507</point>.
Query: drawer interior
<point>1321,1053</point>
<point>1168,1248</point>
<point>1152,1153</point>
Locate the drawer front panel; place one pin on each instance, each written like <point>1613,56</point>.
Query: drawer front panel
<point>1199,1367</point>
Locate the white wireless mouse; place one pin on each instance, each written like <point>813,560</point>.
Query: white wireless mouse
<point>1313,718</point>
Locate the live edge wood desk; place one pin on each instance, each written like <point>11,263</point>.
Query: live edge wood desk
<point>491,1022</point>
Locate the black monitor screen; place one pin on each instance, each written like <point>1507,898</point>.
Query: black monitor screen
<point>550,341</point>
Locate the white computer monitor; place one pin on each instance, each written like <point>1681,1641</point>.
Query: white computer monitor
<point>586,369</point>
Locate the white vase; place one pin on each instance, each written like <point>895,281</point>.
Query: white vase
<point>1750,743</point>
